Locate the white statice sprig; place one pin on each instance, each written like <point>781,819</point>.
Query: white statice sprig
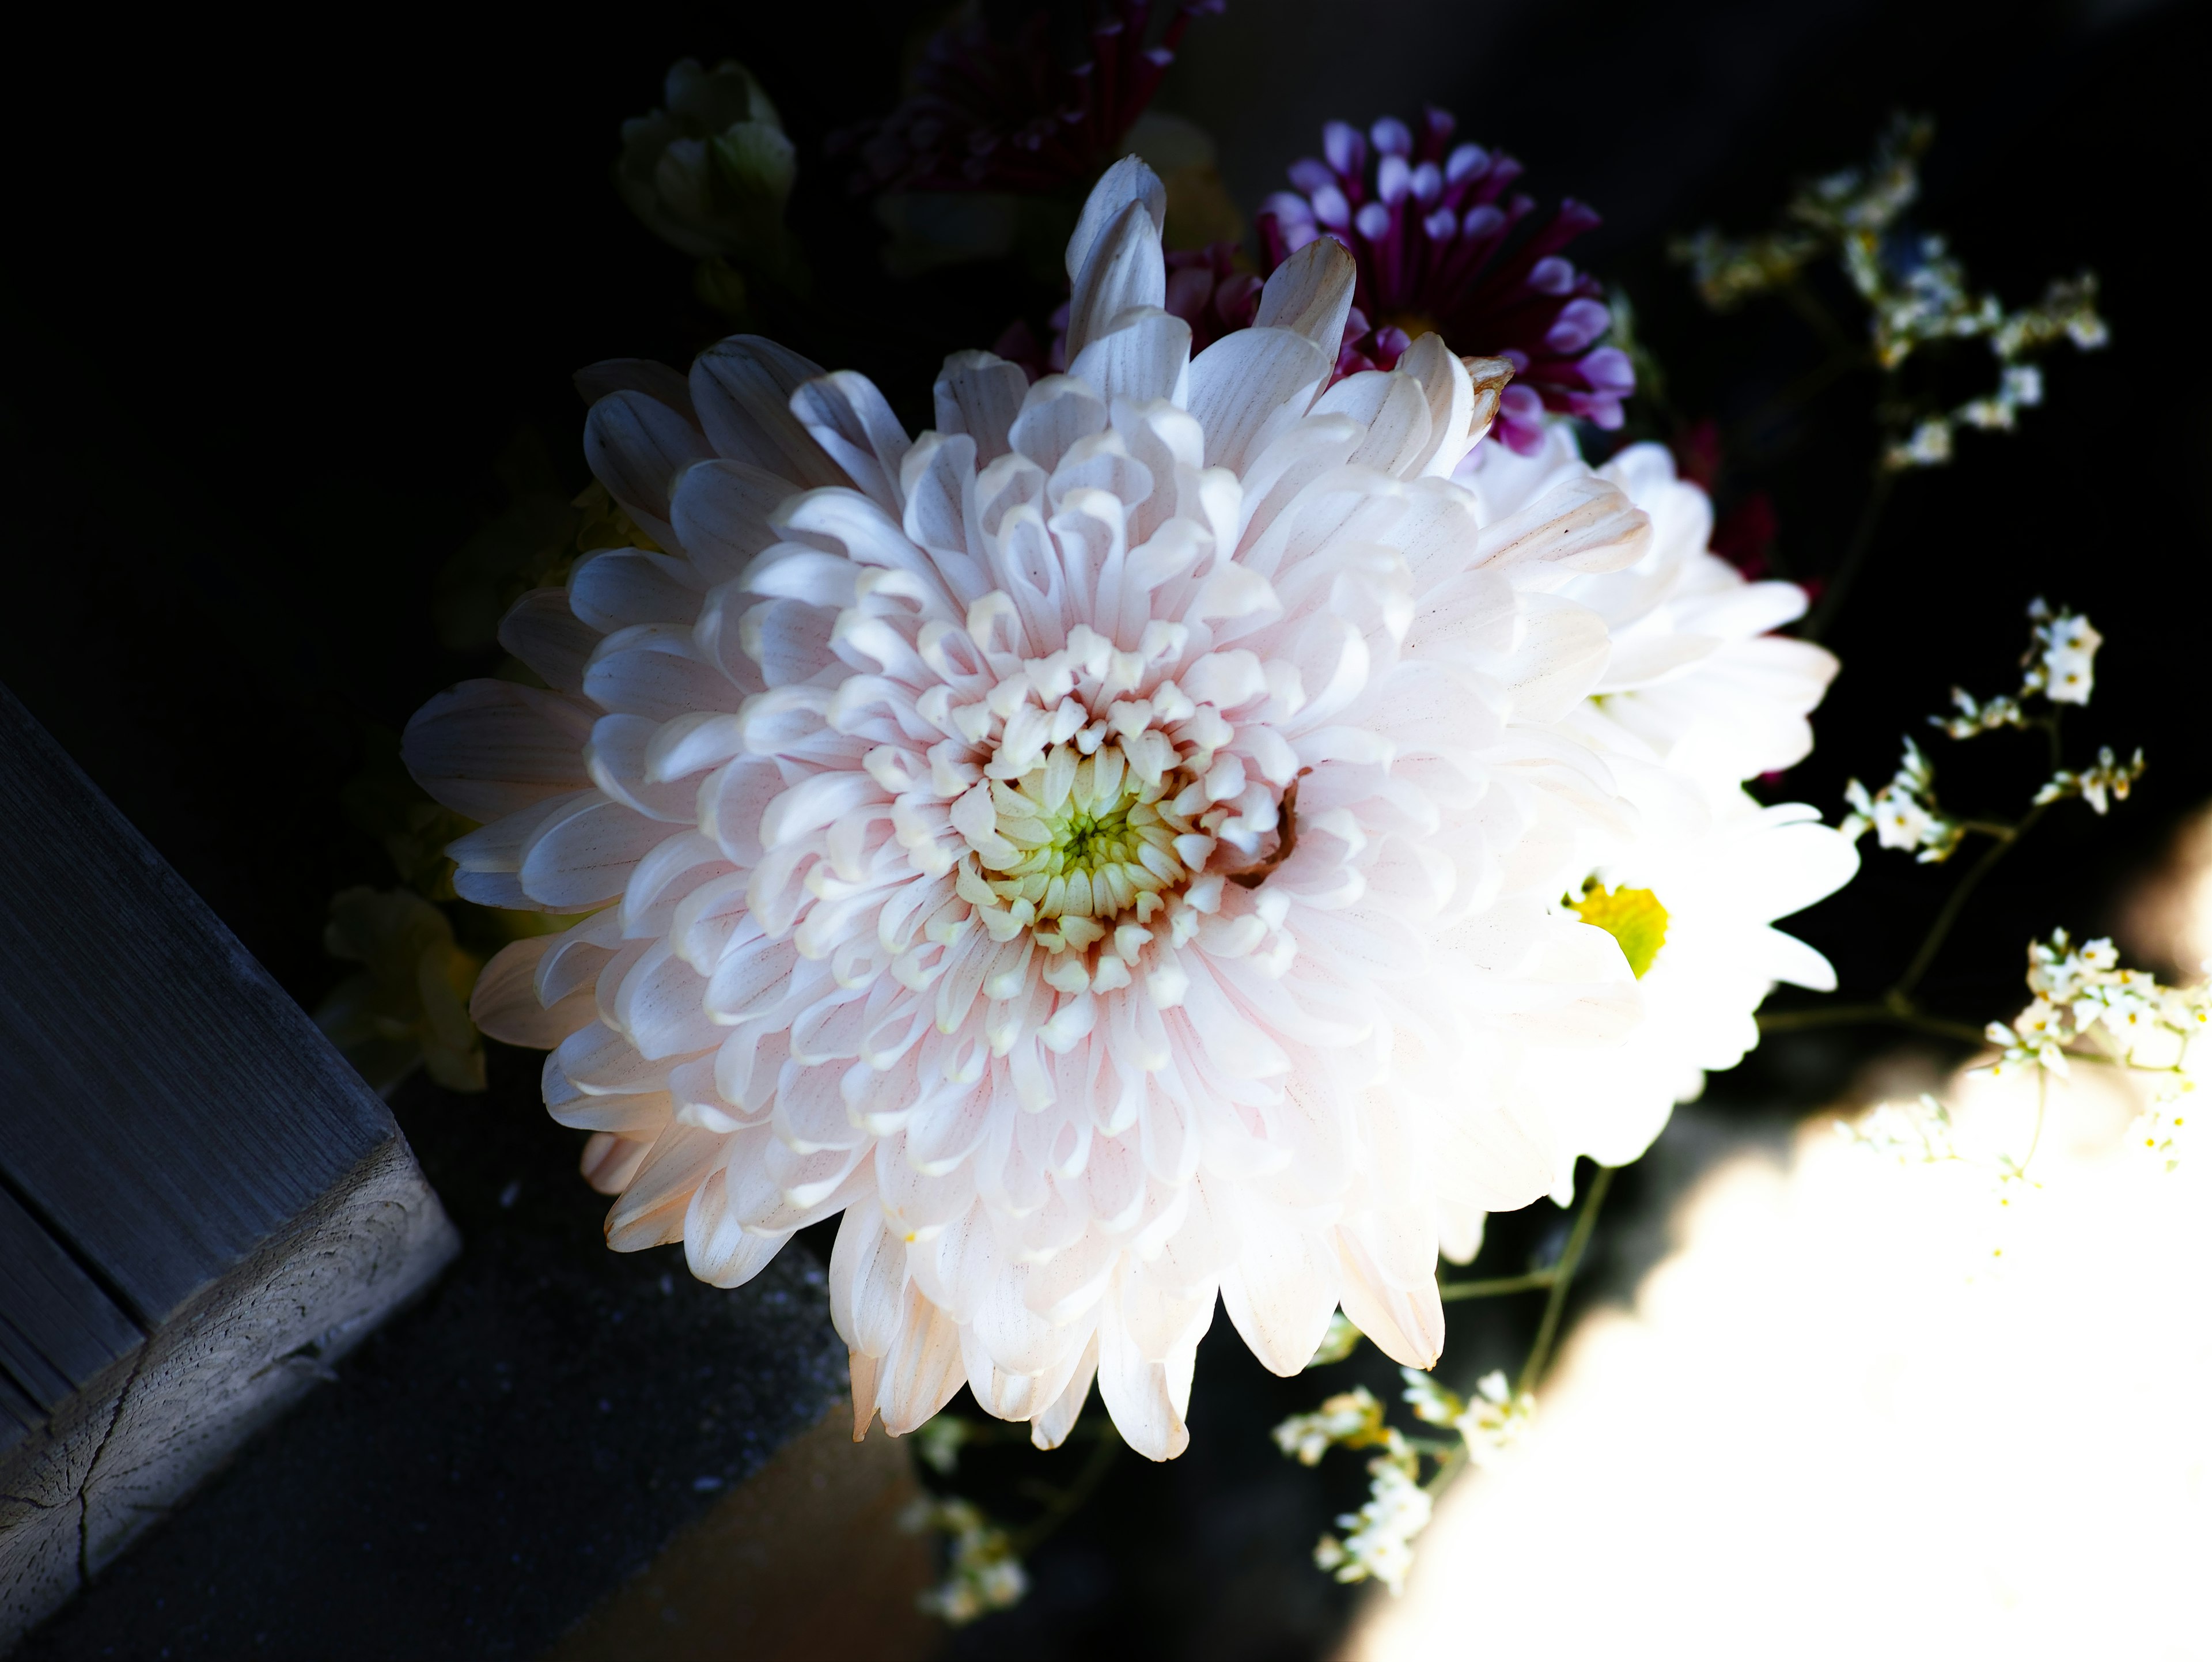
<point>1489,1422</point>
<point>1350,1419</point>
<point>2087,1006</point>
<point>2059,668</point>
<point>1912,1134</point>
<point>2108,781</point>
<point>1916,291</point>
<point>983,1572</point>
<point>1905,814</point>
<point>1377,1543</point>
<point>1378,1540</point>
<point>2062,655</point>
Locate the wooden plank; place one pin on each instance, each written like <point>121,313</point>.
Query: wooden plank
<point>57,1328</point>
<point>168,1106</point>
<point>201,1204</point>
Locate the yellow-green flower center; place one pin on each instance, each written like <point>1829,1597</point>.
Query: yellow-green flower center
<point>1634,917</point>
<point>1085,839</point>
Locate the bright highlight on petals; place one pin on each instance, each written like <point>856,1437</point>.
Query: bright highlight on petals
<point>1108,848</point>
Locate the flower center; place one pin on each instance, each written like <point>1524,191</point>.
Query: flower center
<point>1634,917</point>
<point>1084,842</point>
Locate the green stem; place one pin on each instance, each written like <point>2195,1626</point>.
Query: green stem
<point>1448,1291</point>
<point>1064,1504</point>
<point>1905,1014</point>
<point>1447,1468</point>
<point>1813,382</point>
<point>1547,1331</point>
<point>1854,554</point>
<point>1899,995</point>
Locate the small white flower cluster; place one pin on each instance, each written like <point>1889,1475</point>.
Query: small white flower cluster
<point>1916,289</point>
<point>2083,996</point>
<point>2109,780</point>
<point>1352,1418</point>
<point>2062,659</point>
<point>2060,667</point>
<point>1914,1134</point>
<point>937,1444</point>
<point>1489,1422</point>
<point>2060,664</point>
<point>1904,813</point>
<point>1378,1540</point>
<point>983,1574</point>
<point>1935,304</point>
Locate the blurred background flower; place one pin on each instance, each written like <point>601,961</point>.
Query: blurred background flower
<point>709,173</point>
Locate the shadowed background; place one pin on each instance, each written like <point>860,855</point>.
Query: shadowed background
<point>271,312</point>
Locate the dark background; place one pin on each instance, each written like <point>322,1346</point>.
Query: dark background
<point>272,308</point>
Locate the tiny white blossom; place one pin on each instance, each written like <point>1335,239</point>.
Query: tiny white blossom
<point>983,1574</point>
<point>2110,780</point>
<point>2062,661</point>
<point>1903,815</point>
<point>1495,1419</point>
<point>1353,1418</point>
<point>1929,445</point>
<point>1379,1540</point>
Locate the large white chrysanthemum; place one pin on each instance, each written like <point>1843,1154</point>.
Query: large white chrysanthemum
<point>1696,697</point>
<point>1099,847</point>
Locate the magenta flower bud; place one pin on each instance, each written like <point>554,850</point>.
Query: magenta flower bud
<point>1483,221</point>
<point>1439,241</point>
<point>1581,321</point>
<point>1465,160</point>
<point>1608,370</point>
<point>1552,276</point>
<point>1346,149</point>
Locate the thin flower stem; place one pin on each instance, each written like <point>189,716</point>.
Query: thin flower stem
<point>1900,992</point>
<point>1539,1354</point>
<point>1904,1015</point>
<point>1064,1504</point>
<point>1854,553</point>
<point>1808,386</point>
<point>1447,1468</point>
<point>1498,1289</point>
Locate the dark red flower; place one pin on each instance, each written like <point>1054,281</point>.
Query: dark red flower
<point>989,114</point>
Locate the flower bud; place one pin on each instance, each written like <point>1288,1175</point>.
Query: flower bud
<point>710,172</point>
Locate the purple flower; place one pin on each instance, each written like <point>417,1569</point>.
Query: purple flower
<point>1439,235</point>
<point>989,114</point>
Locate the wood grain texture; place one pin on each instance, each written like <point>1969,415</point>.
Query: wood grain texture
<point>164,1107</point>
<point>201,1204</point>
<point>57,1328</point>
